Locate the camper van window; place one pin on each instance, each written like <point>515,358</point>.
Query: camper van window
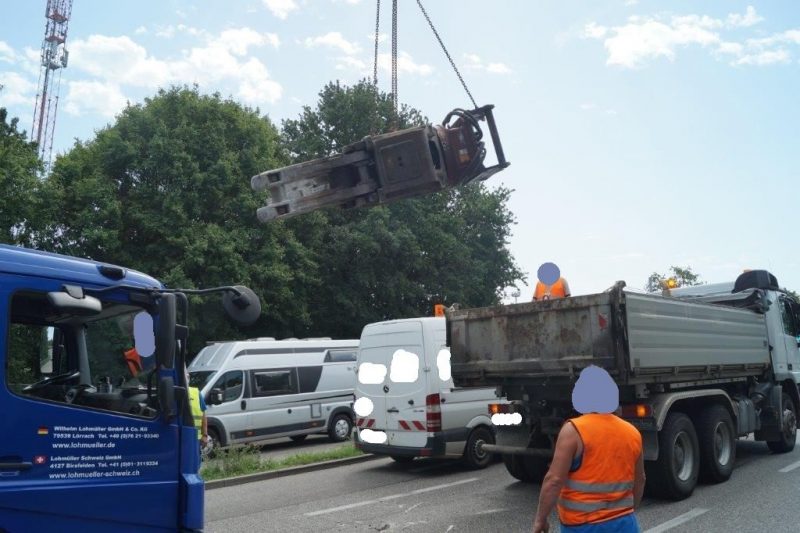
<point>347,356</point>
<point>274,382</point>
<point>231,384</point>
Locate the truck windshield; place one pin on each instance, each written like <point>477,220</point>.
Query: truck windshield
<point>90,362</point>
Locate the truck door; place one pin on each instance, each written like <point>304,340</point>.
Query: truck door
<point>791,336</point>
<point>85,446</point>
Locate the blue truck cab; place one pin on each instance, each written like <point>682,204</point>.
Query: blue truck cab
<point>96,436</point>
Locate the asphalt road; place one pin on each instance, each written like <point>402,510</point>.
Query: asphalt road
<point>429,496</point>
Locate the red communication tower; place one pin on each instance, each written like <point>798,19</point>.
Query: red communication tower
<point>54,58</point>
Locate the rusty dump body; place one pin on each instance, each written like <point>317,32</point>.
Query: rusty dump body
<point>638,338</point>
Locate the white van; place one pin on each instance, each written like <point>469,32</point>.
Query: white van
<point>270,389</point>
<point>406,404</point>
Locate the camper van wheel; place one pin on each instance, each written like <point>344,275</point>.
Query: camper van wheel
<point>789,428</point>
<point>298,438</point>
<point>474,455</point>
<point>340,427</point>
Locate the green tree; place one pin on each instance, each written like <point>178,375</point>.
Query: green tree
<point>165,190</point>
<point>19,165</point>
<point>683,275</point>
<point>394,261</point>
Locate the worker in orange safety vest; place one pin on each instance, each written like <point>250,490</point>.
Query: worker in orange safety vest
<point>596,478</point>
<point>550,284</point>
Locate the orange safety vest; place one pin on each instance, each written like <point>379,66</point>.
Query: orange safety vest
<point>133,361</point>
<point>547,292</point>
<point>601,488</point>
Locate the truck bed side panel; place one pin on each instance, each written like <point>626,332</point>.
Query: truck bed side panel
<point>666,334</point>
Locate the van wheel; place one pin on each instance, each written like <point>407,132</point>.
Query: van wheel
<point>717,440</point>
<point>402,459</point>
<point>340,428</point>
<point>674,474</point>
<point>788,427</point>
<point>216,444</point>
<point>474,455</point>
<point>525,468</point>
<point>298,438</point>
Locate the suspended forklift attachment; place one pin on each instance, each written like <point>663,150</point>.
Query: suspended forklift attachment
<point>383,168</point>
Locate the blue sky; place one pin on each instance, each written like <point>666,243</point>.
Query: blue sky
<point>641,134</point>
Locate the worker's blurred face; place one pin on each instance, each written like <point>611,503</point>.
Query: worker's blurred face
<point>595,392</point>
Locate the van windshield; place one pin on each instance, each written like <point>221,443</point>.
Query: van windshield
<point>200,378</point>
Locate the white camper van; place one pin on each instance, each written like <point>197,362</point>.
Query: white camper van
<point>406,404</point>
<point>270,389</point>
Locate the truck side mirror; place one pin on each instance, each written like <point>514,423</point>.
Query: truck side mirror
<point>214,397</point>
<point>165,339</point>
<point>166,397</point>
<point>244,308</point>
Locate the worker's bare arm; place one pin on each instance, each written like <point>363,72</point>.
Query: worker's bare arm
<point>566,447</point>
<point>639,481</point>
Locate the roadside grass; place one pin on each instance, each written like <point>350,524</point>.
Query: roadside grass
<point>245,460</point>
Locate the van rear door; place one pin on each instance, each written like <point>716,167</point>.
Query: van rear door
<point>399,398</point>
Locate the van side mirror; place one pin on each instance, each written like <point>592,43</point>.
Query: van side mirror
<point>214,397</point>
<point>165,339</point>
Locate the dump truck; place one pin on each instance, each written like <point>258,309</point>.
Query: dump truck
<point>697,368</point>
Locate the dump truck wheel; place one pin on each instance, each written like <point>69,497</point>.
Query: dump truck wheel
<point>674,475</point>
<point>717,439</point>
<point>788,428</point>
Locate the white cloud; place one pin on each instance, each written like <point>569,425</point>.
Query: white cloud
<point>643,39</point>
<point>102,98</point>
<point>750,18</point>
<point>333,40</point>
<point>351,63</point>
<point>475,63</point>
<point>166,32</point>
<point>17,90</point>
<point>588,106</point>
<point>281,8</point>
<point>405,64</point>
<point>220,63</point>
<point>140,30</point>
<point>7,54</point>
<point>594,31</point>
<point>767,57</point>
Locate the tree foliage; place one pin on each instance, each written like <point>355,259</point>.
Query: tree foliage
<point>19,165</point>
<point>165,190</point>
<point>683,275</point>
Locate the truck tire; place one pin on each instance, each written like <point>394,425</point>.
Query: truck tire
<point>340,428</point>
<point>717,438</point>
<point>474,457</point>
<point>674,475</point>
<point>788,427</point>
<point>526,469</point>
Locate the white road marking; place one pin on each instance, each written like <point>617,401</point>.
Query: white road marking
<point>413,506</point>
<point>790,467</point>
<point>391,497</point>
<point>449,529</point>
<point>678,520</point>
